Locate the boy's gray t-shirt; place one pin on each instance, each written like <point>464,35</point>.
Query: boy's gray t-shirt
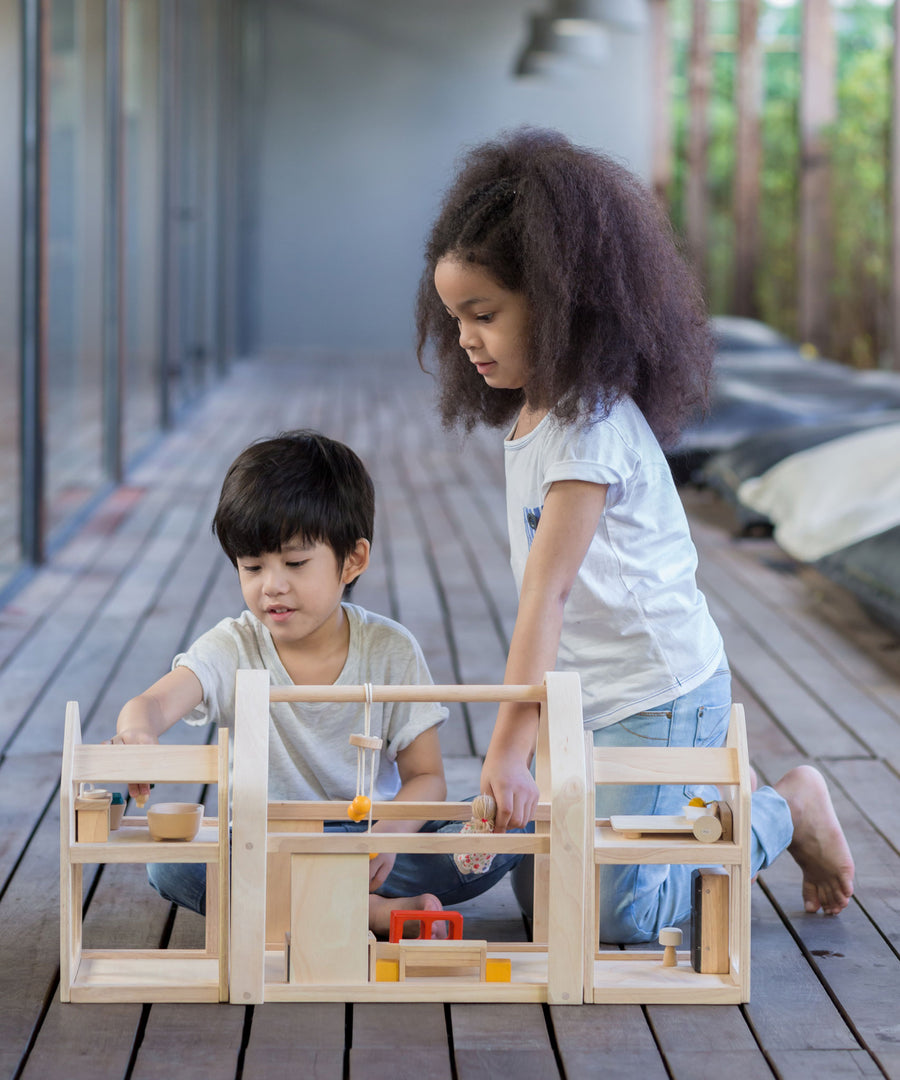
<point>310,756</point>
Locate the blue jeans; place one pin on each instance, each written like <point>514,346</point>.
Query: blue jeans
<point>637,901</point>
<point>185,883</point>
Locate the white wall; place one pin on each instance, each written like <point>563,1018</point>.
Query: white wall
<point>366,105</point>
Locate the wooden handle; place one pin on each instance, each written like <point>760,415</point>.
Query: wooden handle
<point>409,693</point>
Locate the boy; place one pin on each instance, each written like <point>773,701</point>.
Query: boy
<point>296,517</point>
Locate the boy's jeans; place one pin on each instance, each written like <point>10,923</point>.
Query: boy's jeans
<point>185,883</point>
<point>637,901</point>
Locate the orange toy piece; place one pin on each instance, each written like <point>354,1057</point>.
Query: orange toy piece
<point>359,808</point>
<point>426,919</point>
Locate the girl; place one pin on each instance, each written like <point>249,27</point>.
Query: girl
<point>558,306</point>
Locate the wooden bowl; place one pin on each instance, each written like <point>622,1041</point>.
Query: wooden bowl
<point>174,820</point>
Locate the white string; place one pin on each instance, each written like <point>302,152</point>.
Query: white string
<point>372,752</point>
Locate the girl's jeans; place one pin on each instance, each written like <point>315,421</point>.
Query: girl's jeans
<point>637,901</point>
<point>185,883</point>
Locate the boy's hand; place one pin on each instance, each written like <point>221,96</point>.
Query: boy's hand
<point>514,790</point>
<point>136,737</point>
<point>380,868</point>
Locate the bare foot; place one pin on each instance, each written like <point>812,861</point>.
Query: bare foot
<point>819,845</point>
<point>380,908</point>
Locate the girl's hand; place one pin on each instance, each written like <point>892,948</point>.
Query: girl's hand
<point>514,790</point>
<point>380,868</point>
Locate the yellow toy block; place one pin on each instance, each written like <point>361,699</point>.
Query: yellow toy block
<point>498,970</point>
<point>387,971</point>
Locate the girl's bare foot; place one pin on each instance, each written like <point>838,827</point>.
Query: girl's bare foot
<point>819,845</point>
<point>380,908</point>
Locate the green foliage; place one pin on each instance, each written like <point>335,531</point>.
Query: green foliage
<point>860,168</point>
<point>860,197</point>
<point>776,281</point>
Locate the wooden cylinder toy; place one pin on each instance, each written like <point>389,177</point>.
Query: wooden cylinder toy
<point>670,937</point>
<point>707,829</point>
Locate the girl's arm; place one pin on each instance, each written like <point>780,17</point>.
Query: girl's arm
<point>569,520</point>
<point>421,770</point>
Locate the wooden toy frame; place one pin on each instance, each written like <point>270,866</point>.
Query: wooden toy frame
<point>639,975</point>
<point>142,975</point>
<point>336,864</point>
<point>285,843</point>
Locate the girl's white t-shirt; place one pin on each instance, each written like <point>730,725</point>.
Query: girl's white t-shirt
<point>636,628</point>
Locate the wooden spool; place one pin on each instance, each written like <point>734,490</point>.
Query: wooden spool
<point>367,742</point>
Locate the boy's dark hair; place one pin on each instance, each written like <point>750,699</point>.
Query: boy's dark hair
<point>614,308</point>
<point>299,483</point>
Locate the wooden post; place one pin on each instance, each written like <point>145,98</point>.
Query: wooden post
<point>818,109</point>
<point>661,99</point>
<point>248,861</point>
<point>565,932</point>
<point>699,80</point>
<point>748,93</point>
<point>70,876</point>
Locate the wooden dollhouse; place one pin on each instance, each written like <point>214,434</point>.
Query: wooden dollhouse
<point>299,895</point>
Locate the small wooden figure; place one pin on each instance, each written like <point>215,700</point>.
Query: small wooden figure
<point>484,810</point>
<point>670,937</point>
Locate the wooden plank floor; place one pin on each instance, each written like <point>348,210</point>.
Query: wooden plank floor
<point>820,681</point>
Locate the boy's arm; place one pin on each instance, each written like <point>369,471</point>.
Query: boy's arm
<point>147,716</point>
<point>144,718</point>
<point>421,769</point>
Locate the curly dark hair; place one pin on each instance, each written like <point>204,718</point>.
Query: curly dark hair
<point>615,309</point>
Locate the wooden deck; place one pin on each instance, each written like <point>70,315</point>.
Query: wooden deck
<point>820,682</point>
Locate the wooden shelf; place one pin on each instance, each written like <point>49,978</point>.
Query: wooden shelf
<point>132,843</point>
<point>528,982</point>
<point>142,975</point>
<point>639,977</point>
<point>612,847</point>
<point>145,976</point>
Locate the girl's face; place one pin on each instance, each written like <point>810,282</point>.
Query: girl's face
<point>493,322</point>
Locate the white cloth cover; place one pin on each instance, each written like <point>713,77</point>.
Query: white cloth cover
<point>831,496</point>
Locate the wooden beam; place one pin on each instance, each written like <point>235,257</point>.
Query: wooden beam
<point>699,82</point>
<point>748,100</point>
<point>661,101</point>
<point>818,110</point>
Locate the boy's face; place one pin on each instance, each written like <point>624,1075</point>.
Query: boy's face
<point>296,592</point>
